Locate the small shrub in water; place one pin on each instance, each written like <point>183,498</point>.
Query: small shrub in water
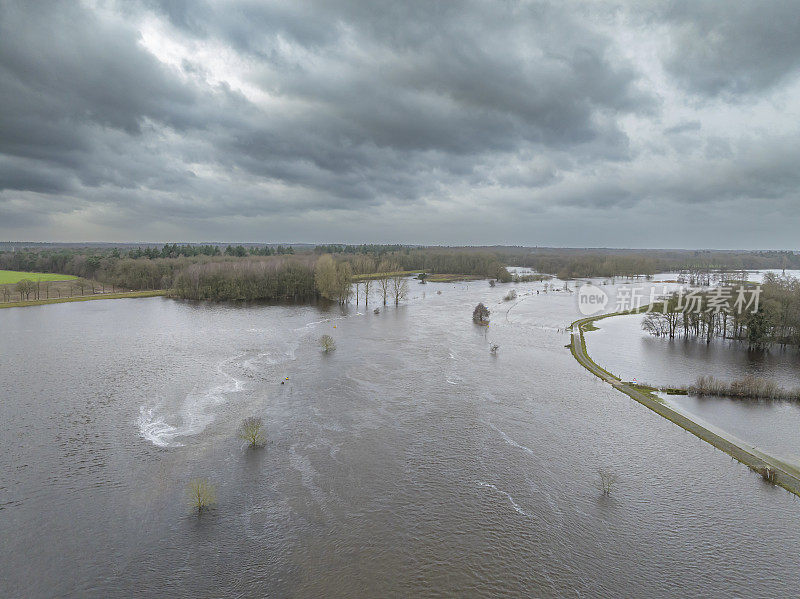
<point>480,314</point>
<point>327,343</point>
<point>202,494</point>
<point>607,480</point>
<point>252,431</point>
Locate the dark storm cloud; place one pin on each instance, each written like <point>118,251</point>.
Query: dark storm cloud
<point>137,118</point>
<point>733,47</point>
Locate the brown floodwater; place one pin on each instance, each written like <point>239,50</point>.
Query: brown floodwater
<point>408,462</point>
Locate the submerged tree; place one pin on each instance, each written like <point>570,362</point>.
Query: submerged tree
<point>326,278</point>
<point>367,285</point>
<point>252,431</point>
<point>384,280</point>
<point>202,494</point>
<point>480,314</point>
<point>399,288</point>
<point>607,480</point>
<point>327,343</point>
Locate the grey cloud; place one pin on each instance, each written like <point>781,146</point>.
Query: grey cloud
<point>683,128</point>
<point>722,47</point>
<point>380,108</point>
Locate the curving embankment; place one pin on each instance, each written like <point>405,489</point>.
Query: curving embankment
<point>83,298</point>
<point>773,469</point>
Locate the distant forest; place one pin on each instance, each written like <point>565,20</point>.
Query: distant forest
<point>276,272</point>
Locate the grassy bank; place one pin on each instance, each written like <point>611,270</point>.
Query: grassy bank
<point>382,275</point>
<point>83,298</point>
<point>431,278</point>
<point>770,468</point>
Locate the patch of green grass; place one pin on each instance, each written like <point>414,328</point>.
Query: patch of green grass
<point>641,387</point>
<point>15,276</point>
<point>380,275</point>
<point>82,298</point>
<point>445,278</point>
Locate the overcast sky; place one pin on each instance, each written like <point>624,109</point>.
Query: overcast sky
<point>623,124</point>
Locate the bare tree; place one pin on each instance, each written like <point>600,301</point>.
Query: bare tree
<point>367,284</point>
<point>383,284</point>
<point>385,269</point>
<point>399,288</point>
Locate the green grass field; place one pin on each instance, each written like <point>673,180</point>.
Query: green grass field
<point>14,276</point>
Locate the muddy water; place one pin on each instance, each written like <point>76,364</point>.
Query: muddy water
<point>408,462</point>
<point>621,346</point>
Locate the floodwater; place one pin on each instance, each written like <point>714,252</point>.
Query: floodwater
<point>408,462</point>
<point>622,347</point>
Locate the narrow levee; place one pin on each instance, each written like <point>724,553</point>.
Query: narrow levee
<point>770,467</point>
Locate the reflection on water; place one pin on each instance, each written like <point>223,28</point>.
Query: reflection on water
<point>409,462</point>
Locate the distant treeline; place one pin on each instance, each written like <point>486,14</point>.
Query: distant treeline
<point>276,272</point>
<point>239,273</point>
<point>371,249</point>
<point>176,251</point>
<point>697,264</point>
<point>762,318</point>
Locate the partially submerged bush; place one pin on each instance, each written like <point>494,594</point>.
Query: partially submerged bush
<point>511,295</point>
<point>480,314</point>
<point>749,387</point>
<point>327,343</point>
<point>607,480</point>
<point>493,349</point>
<point>202,494</point>
<point>252,431</point>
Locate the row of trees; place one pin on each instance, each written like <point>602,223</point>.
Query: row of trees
<point>27,289</point>
<point>723,312</point>
<point>334,281</point>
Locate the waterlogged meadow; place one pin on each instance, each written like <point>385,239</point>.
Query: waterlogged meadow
<point>411,461</point>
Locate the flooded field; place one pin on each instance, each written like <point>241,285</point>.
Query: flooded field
<point>621,346</point>
<point>408,462</point>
